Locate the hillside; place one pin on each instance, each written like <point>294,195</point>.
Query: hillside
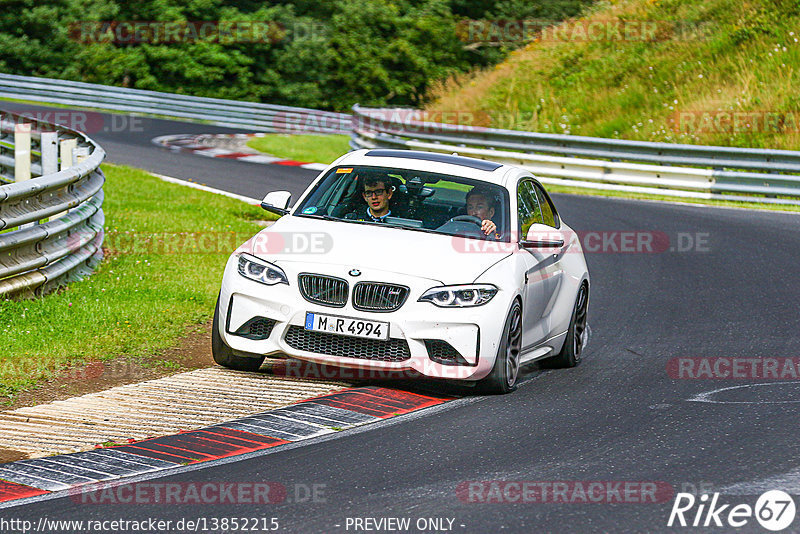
<point>721,72</point>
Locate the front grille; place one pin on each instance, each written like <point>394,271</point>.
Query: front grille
<point>444,353</point>
<point>393,350</point>
<point>256,328</point>
<point>325,290</point>
<point>379,297</point>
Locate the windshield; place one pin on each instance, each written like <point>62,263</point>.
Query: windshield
<point>416,200</point>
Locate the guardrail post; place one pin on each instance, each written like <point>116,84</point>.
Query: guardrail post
<point>22,156</point>
<point>48,145</point>
<point>67,146</point>
<point>49,148</point>
<point>79,154</point>
<point>22,152</point>
<point>67,149</point>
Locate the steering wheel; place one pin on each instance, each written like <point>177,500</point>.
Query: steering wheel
<point>468,218</point>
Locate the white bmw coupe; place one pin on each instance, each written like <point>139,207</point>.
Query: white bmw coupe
<point>393,260</point>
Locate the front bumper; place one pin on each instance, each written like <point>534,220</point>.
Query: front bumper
<point>264,320</point>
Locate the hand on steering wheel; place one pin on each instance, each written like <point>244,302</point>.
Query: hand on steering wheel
<point>487,226</point>
<point>467,218</point>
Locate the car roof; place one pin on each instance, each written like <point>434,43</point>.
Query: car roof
<point>455,165</point>
<point>453,159</point>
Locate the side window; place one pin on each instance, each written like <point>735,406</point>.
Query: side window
<point>549,215</point>
<point>528,211</point>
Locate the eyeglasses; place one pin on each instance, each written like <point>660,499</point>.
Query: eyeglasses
<point>375,192</point>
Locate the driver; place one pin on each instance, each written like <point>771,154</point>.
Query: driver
<point>481,204</point>
<point>377,192</point>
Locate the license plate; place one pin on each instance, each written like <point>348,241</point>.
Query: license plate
<point>347,326</point>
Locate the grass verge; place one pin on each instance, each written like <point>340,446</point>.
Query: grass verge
<point>165,250</point>
<point>307,148</point>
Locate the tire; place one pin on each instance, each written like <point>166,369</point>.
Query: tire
<point>504,374</point>
<point>570,354</point>
<point>223,354</point>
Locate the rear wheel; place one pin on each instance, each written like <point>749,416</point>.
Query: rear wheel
<point>505,372</point>
<point>570,354</point>
<point>224,355</point>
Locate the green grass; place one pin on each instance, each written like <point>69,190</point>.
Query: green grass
<point>712,56</point>
<point>306,148</point>
<point>143,295</point>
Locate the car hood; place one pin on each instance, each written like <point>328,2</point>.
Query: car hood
<point>446,259</point>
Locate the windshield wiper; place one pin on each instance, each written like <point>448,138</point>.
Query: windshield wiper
<point>412,228</point>
<point>371,223</point>
<point>322,216</point>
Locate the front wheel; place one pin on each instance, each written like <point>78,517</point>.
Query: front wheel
<point>503,378</point>
<point>224,355</point>
<point>570,354</point>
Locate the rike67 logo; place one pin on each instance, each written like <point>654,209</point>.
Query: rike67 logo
<point>774,510</point>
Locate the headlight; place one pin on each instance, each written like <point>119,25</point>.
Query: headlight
<point>261,271</point>
<point>459,296</point>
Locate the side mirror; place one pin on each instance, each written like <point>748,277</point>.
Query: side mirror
<point>542,236</point>
<point>277,202</point>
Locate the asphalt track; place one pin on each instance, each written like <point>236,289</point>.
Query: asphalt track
<point>619,416</point>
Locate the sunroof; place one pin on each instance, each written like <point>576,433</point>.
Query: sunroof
<point>472,163</point>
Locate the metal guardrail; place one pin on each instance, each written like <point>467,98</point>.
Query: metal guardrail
<point>232,113</point>
<point>51,220</point>
<point>689,171</point>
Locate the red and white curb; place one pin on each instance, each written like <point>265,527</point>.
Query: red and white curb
<point>193,145</point>
<point>303,420</point>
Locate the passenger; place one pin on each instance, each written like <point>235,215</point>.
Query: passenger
<point>377,193</point>
<point>481,203</point>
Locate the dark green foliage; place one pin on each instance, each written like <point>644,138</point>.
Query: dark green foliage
<point>326,55</point>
